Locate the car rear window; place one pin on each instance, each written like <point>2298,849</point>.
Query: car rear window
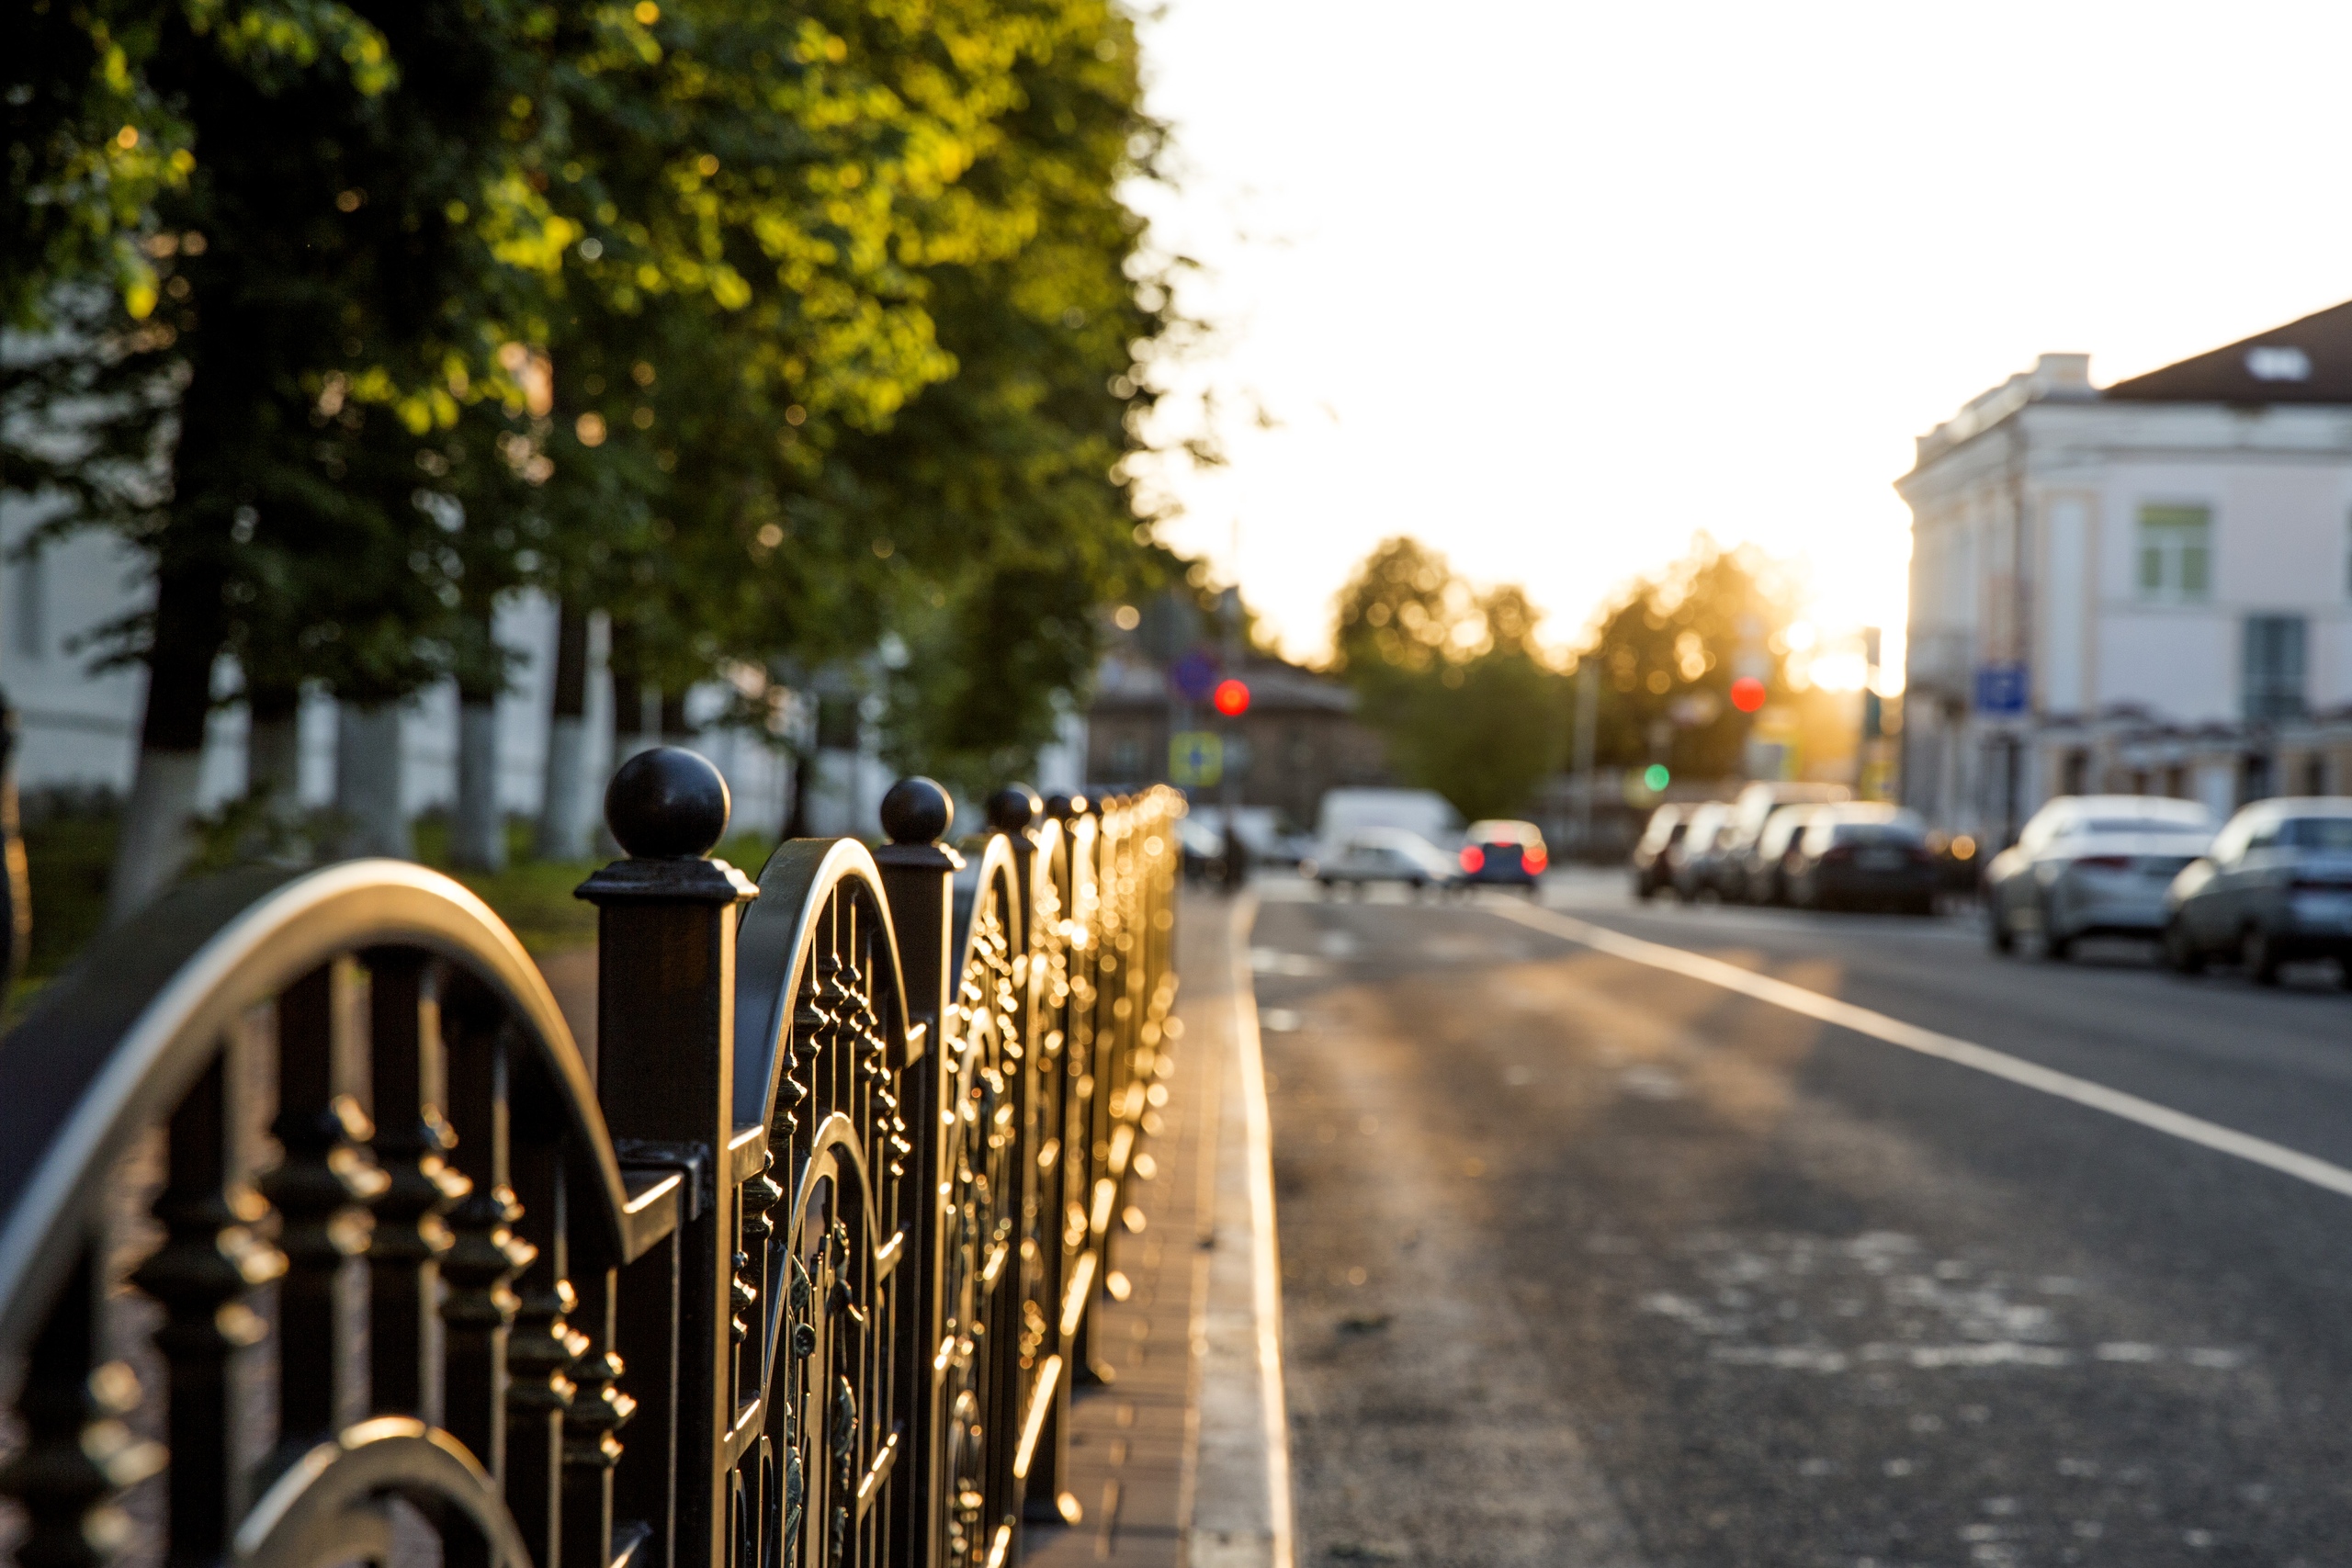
<point>2139,825</point>
<point>2317,832</point>
<point>1877,833</point>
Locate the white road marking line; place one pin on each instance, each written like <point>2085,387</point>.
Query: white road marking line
<point>2196,1130</point>
<point>1265,1264</point>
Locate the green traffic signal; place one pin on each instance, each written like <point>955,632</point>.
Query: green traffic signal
<point>1655,777</point>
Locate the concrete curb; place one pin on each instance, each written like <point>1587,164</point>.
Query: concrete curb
<point>1239,1482</point>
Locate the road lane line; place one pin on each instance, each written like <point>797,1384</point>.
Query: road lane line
<point>1266,1265</point>
<point>1812,1004</point>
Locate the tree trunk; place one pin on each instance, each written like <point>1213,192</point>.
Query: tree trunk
<point>563,810</point>
<point>368,792</point>
<point>478,832</point>
<point>274,746</point>
<point>675,731</point>
<point>157,840</point>
<point>478,836</point>
<point>628,696</point>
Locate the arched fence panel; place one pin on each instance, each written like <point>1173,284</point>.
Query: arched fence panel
<point>324,1240</point>
<point>303,1174</point>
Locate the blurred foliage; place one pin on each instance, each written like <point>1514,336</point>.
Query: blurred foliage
<point>1670,646</point>
<point>771,330</point>
<point>69,844</point>
<point>1471,707</point>
<point>1452,678</point>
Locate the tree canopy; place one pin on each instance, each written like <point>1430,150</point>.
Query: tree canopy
<point>1452,678</point>
<point>769,331</point>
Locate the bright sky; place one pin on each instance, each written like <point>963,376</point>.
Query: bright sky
<point>1555,285</point>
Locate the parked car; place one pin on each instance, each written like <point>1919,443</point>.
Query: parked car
<point>2092,866</point>
<point>1765,866</point>
<point>1501,850</point>
<point>2276,887</point>
<point>1863,856</point>
<point>1653,869</point>
<point>1693,858</point>
<point>1728,868</point>
<point>1383,854</point>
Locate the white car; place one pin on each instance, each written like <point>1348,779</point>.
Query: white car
<point>2092,866</point>
<point>1383,854</point>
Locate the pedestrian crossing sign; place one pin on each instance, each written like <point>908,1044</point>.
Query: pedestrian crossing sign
<point>1196,758</point>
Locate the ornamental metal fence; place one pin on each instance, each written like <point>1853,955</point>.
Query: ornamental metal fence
<point>324,1240</point>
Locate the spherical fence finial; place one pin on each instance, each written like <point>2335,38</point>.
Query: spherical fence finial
<point>917,811</point>
<point>1013,809</point>
<point>667,804</point>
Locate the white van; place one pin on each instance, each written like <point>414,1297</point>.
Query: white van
<point>1423,811</point>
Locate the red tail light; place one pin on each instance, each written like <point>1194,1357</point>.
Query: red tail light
<point>2105,862</point>
<point>1533,860</point>
<point>1473,859</point>
<point>1839,853</point>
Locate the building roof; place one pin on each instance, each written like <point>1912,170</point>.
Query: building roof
<point>2306,361</point>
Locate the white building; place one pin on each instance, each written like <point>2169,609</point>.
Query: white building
<point>2144,587</point>
<point>79,728</point>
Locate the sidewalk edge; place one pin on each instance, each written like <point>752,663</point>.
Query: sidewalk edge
<point>1265,1252</point>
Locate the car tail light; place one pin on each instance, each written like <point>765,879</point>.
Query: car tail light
<point>1533,860</point>
<point>1838,852</point>
<point>2105,862</point>
<point>2316,884</point>
<point>1473,859</point>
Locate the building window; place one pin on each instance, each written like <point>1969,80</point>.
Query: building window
<point>2273,670</point>
<point>2176,554</point>
<point>2315,773</point>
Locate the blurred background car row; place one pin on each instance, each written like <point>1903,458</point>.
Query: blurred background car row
<point>2270,888</point>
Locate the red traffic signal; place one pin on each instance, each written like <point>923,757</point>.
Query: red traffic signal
<point>1232,698</point>
<point>1748,694</point>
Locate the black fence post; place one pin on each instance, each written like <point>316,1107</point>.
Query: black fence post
<point>918,878</point>
<point>665,1069</point>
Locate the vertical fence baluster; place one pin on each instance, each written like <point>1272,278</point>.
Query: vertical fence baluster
<point>485,1252</point>
<point>209,1258</point>
<point>321,1188</point>
<point>77,1452</point>
<point>544,1345</point>
<point>412,1143</point>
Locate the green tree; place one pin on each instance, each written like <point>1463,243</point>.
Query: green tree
<point>1670,646</point>
<point>1452,678</point>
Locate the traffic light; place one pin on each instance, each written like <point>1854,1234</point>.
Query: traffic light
<point>1232,698</point>
<point>1748,694</point>
<point>1655,777</point>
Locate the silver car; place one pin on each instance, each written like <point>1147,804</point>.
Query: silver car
<point>2092,866</point>
<point>1383,854</point>
<point>2276,887</point>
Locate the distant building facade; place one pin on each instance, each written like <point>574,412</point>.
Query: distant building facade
<point>79,728</point>
<point>1299,737</point>
<point>2141,588</point>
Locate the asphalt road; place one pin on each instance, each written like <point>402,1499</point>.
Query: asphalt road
<point>1586,1262</point>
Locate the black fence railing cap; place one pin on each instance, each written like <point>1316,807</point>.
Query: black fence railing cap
<point>1014,809</point>
<point>668,809</point>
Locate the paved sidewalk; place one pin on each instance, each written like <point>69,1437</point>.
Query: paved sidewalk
<point>1170,1461</point>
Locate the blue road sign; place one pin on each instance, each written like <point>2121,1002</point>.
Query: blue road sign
<point>1195,676</point>
<point>2001,689</point>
